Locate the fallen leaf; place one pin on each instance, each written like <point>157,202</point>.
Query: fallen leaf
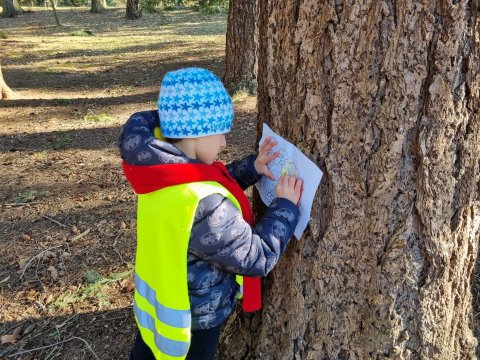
<point>31,295</point>
<point>75,230</point>
<point>29,329</point>
<point>49,299</point>
<point>53,272</point>
<point>26,237</point>
<point>9,339</point>
<point>49,254</point>
<point>22,262</point>
<point>123,226</point>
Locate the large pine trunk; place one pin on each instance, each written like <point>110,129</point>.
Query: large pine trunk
<point>241,47</point>
<point>11,8</point>
<point>384,97</point>
<point>98,6</point>
<point>5,91</point>
<point>133,12</point>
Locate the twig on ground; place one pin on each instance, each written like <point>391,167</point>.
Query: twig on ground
<point>36,256</point>
<point>38,277</point>
<point>120,256</point>
<point>79,236</point>
<point>23,204</point>
<point>54,221</point>
<point>124,317</point>
<point>55,344</point>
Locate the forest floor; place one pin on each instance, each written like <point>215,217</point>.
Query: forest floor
<point>67,215</point>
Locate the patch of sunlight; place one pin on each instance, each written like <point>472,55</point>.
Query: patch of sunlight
<point>13,55</point>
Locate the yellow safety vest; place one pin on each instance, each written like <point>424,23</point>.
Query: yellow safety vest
<point>161,302</point>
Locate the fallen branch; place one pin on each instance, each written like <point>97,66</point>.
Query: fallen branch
<point>54,221</point>
<point>55,344</point>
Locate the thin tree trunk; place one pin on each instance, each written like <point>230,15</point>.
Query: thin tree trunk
<point>11,8</point>
<point>385,97</point>
<point>242,46</point>
<point>97,7</point>
<point>5,91</point>
<point>55,15</point>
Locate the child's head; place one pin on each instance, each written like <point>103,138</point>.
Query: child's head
<point>194,104</point>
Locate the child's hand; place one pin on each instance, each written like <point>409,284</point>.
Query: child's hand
<point>289,187</point>
<point>263,158</point>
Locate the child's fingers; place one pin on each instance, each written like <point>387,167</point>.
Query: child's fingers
<point>267,145</point>
<point>273,156</point>
<point>269,174</point>
<point>291,182</point>
<point>298,186</point>
<point>300,191</point>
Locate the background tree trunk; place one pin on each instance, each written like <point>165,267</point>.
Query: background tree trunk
<point>133,12</point>
<point>241,47</point>
<point>97,7</point>
<point>384,96</point>
<point>11,8</point>
<point>55,15</point>
<point>5,91</point>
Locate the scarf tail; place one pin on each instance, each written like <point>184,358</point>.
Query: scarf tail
<point>252,294</point>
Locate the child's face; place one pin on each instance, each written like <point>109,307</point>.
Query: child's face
<point>208,147</point>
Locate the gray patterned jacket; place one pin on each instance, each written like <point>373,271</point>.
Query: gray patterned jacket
<point>222,244</point>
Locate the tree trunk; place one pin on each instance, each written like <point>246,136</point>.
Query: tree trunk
<point>97,7</point>
<point>133,11</point>
<point>5,91</point>
<point>385,97</point>
<point>11,8</point>
<point>55,15</point>
<point>242,46</point>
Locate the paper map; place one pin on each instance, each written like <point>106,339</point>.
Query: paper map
<point>293,162</point>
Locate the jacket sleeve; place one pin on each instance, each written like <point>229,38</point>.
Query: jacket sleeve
<point>220,235</point>
<point>243,171</point>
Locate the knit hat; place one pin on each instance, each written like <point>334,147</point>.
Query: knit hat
<point>193,102</point>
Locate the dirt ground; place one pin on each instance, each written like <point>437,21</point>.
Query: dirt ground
<point>67,215</point>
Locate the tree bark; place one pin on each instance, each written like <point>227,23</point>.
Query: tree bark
<point>5,91</point>
<point>11,8</point>
<point>133,12</point>
<point>241,47</point>
<point>385,97</point>
<point>97,7</point>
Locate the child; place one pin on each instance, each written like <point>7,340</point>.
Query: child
<point>194,223</point>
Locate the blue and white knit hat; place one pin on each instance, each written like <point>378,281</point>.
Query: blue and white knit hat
<point>193,102</point>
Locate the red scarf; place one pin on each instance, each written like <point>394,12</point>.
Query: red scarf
<point>145,179</point>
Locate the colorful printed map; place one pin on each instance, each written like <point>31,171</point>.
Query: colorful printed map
<point>293,162</point>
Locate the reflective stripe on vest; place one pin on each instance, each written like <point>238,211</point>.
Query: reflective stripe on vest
<point>172,317</point>
<point>165,345</point>
<point>162,305</point>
